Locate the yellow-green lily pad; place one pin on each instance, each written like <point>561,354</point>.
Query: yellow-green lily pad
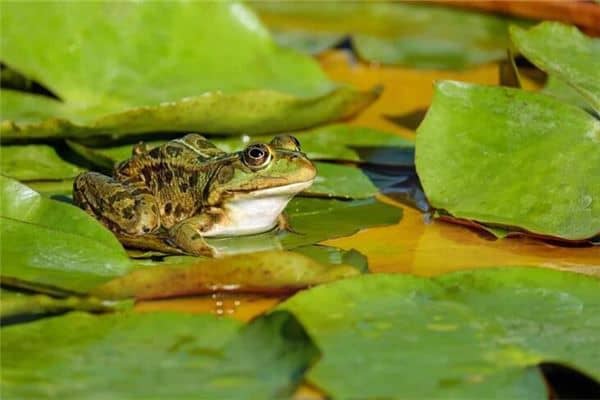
<point>154,356</point>
<point>168,66</point>
<point>51,243</point>
<point>563,51</point>
<point>471,335</point>
<point>35,162</point>
<point>512,159</point>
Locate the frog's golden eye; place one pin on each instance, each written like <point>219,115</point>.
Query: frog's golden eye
<point>257,155</point>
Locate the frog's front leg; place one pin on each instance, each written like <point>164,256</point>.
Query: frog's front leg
<point>123,208</point>
<point>187,235</point>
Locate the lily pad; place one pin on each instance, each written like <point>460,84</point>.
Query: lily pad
<point>35,162</point>
<point>15,305</point>
<point>154,356</point>
<point>561,50</point>
<point>52,243</point>
<point>478,334</point>
<point>316,220</point>
<point>413,35</point>
<point>273,272</point>
<point>129,76</point>
<point>500,155</point>
<point>341,181</point>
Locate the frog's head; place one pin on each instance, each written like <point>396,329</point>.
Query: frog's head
<point>254,185</point>
<point>265,169</point>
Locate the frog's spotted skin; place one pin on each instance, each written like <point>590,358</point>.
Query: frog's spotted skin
<point>170,197</point>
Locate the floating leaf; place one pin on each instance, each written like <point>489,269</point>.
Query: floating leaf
<point>20,305</point>
<point>341,181</point>
<point>563,51</point>
<point>500,156</point>
<point>477,334</point>
<point>35,162</point>
<point>129,76</point>
<point>414,35</point>
<point>315,220</point>
<point>153,356</point>
<point>263,272</point>
<point>52,243</point>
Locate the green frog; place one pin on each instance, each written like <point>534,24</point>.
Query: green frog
<point>170,198</point>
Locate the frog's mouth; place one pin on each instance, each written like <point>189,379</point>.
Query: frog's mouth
<point>289,189</point>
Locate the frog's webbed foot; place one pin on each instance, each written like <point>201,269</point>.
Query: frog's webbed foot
<point>187,235</point>
<point>283,224</point>
<point>123,208</point>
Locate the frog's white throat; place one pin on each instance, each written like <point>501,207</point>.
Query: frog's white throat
<point>255,212</point>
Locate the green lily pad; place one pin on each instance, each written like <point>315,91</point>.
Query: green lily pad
<point>413,35</point>
<point>154,356</point>
<point>52,243</point>
<point>511,158</point>
<point>35,162</point>
<point>273,272</point>
<point>341,181</point>
<point>477,334</point>
<point>316,220</point>
<point>561,50</point>
<point>21,305</point>
<point>129,76</point>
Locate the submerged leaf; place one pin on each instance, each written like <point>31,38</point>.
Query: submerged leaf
<point>154,356</point>
<point>35,162</point>
<point>564,52</point>
<point>414,35</point>
<point>144,74</point>
<point>511,158</point>
<point>54,244</point>
<point>262,272</point>
<point>477,334</point>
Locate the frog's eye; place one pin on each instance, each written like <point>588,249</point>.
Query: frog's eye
<point>257,155</point>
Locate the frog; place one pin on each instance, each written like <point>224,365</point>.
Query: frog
<point>171,198</point>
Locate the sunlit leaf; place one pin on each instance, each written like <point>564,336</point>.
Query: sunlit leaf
<point>414,35</point>
<point>144,73</point>
<point>273,272</point>
<point>475,334</point>
<point>35,162</point>
<point>511,158</point>
<point>52,243</point>
<point>154,356</point>
<point>563,51</point>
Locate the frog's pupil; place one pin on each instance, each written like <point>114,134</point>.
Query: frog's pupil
<point>256,153</point>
